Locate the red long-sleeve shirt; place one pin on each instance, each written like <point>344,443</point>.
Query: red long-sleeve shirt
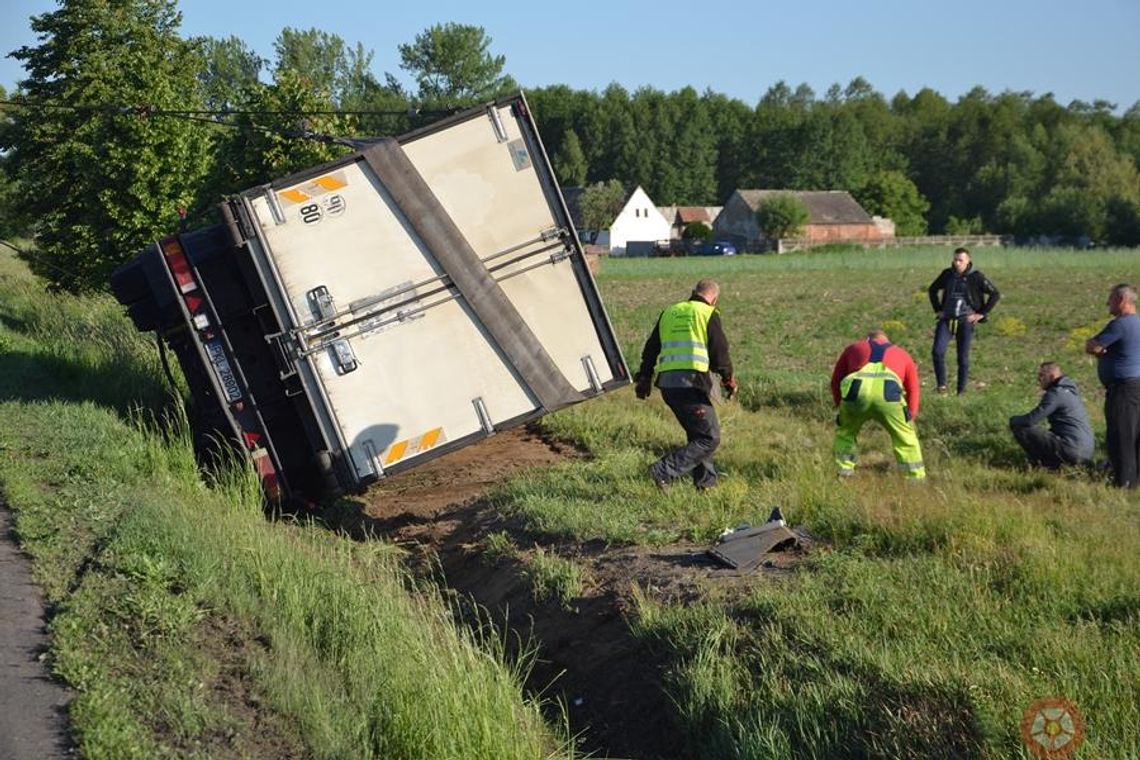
<point>897,360</point>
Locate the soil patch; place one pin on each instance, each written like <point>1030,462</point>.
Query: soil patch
<point>609,683</point>
<point>252,730</point>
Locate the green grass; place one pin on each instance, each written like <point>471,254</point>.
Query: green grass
<point>924,623</point>
<point>939,612</point>
<point>176,606</point>
<point>555,577</point>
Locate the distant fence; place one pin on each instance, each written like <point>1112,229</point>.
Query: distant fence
<point>785,245</point>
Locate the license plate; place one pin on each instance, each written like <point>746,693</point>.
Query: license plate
<point>222,369</point>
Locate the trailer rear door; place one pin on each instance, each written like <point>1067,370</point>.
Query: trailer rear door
<point>432,290</point>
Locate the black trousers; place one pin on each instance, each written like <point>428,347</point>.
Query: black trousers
<point>694,410</point>
<point>1122,435</point>
<point>1043,448</point>
<point>962,330</point>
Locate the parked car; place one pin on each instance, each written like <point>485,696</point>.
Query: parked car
<point>715,248</point>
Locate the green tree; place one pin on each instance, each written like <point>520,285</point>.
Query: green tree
<point>924,140</point>
<point>729,125</point>
<point>692,149</point>
<point>231,70</point>
<point>109,178</point>
<point>569,161</point>
<point>782,216</point>
<point>601,202</point>
<point>831,152</point>
<point>696,231</point>
<point>453,66</point>
<point>965,225</point>
<point>328,65</point>
<point>893,195</point>
<point>10,225</point>
<point>270,141</point>
<point>1091,177</point>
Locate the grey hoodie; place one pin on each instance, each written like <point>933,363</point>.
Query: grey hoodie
<point>1061,404</point>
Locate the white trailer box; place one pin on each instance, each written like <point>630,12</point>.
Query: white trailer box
<point>381,309</point>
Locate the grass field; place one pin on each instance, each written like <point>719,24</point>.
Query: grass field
<point>941,611</point>
<point>926,623</point>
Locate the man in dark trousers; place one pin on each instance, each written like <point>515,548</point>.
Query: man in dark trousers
<point>1069,439</point>
<point>1117,348</point>
<point>686,346</point>
<point>961,296</point>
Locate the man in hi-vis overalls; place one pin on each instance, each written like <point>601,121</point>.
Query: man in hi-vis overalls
<point>875,380</point>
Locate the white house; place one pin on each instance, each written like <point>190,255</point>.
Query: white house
<point>638,227</point>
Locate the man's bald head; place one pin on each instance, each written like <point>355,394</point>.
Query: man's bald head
<point>707,289</point>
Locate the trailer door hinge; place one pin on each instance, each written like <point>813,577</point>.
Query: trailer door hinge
<point>497,124</point>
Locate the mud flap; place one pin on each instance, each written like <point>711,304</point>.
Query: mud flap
<point>745,549</point>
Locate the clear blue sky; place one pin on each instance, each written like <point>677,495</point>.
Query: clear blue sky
<point>1076,49</point>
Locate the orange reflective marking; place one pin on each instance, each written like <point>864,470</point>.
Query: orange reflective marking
<point>396,453</point>
<point>429,438</point>
<point>329,182</point>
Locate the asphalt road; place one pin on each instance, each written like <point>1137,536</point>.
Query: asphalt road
<point>33,707</point>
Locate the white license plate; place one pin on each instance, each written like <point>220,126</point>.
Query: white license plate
<point>222,369</point>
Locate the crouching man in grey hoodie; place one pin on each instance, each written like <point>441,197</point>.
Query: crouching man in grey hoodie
<point>1069,439</point>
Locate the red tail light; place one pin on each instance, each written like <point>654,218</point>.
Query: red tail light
<point>179,266</point>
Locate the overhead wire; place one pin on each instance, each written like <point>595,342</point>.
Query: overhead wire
<point>214,116</point>
<point>203,116</point>
<point>148,110</point>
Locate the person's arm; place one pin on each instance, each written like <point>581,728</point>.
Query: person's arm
<point>650,351</point>
<point>1098,344</point>
<point>643,380</point>
<point>932,291</point>
<point>719,360</point>
<point>839,372</point>
<point>1046,406</point>
<point>912,388</point>
<point>990,295</point>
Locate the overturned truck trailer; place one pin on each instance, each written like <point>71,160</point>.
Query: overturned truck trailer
<point>359,318</point>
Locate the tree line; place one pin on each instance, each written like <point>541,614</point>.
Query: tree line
<point>1011,163</point>
<point>124,129</point>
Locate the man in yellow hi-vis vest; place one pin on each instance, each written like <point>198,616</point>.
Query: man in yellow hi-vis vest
<point>686,345</point>
<point>875,380</point>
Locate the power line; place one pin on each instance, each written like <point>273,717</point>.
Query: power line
<point>149,110</point>
<point>214,117</point>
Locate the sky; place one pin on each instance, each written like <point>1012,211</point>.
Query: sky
<point>1087,50</point>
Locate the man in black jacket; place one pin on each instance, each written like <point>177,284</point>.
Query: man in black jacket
<point>1069,439</point>
<point>686,346</point>
<point>961,296</point>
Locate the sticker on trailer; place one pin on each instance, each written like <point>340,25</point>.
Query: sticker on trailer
<point>412,446</point>
<point>519,154</point>
<point>311,191</point>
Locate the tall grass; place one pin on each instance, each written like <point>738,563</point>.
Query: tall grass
<point>169,595</point>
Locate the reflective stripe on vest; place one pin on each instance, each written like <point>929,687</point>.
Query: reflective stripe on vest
<point>684,332</point>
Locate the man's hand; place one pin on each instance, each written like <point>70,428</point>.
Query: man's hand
<point>643,386</point>
<point>974,318</point>
<point>1094,348</point>
<point>729,386</point>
